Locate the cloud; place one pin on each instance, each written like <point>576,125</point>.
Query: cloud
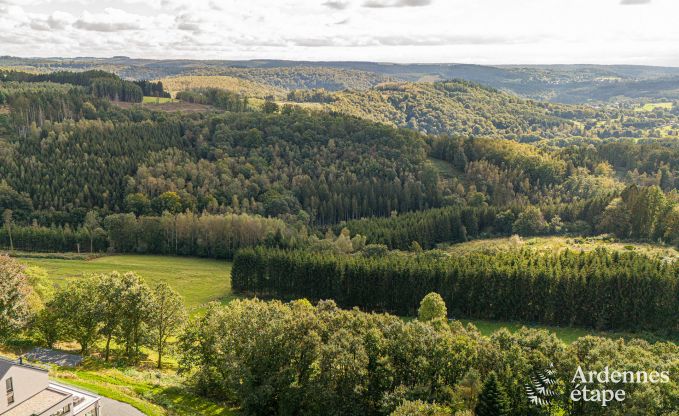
<point>105,26</point>
<point>336,4</point>
<point>381,4</point>
<point>56,21</point>
<point>189,23</point>
<point>630,2</point>
<point>445,40</point>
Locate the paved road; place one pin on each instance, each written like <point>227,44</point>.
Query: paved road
<point>111,407</point>
<point>46,355</point>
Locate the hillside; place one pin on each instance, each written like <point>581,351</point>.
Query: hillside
<point>453,107</point>
<point>238,85</point>
<point>556,83</point>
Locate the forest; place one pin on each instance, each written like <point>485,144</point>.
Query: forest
<point>337,195</point>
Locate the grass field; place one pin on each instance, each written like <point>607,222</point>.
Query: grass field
<point>556,244</point>
<point>567,335</point>
<point>199,281</point>
<point>653,106</point>
<point>157,100</point>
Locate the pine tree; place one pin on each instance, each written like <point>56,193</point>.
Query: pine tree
<point>493,399</point>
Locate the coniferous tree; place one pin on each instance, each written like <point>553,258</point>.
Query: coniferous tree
<point>493,400</point>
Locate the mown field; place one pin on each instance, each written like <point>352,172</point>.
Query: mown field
<point>199,281</point>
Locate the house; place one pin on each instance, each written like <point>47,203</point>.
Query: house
<point>26,390</point>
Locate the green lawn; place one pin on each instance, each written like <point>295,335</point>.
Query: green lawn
<point>199,281</point>
<point>154,100</point>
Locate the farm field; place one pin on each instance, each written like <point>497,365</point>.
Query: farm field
<point>157,100</point>
<point>199,281</point>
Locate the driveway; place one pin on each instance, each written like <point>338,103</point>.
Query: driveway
<point>48,356</point>
<point>110,407</point>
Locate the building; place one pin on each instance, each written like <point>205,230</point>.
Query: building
<point>26,390</point>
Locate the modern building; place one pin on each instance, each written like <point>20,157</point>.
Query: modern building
<point>26,390</point>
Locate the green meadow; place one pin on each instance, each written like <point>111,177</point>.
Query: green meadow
<point>199,281</point>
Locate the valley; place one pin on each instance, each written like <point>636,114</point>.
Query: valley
<point>249,230</point>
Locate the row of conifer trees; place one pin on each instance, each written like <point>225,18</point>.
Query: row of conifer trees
<point>599,289</point>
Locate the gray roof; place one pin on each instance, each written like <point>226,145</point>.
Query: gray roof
<point>6,364</point>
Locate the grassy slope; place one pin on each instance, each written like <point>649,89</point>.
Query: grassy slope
<point>153,393</point>
<point>653,106</point>
<point>198,280</point>
<point>555,244</point>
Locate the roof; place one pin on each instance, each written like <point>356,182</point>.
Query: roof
<point>81,399</point>
<point>4,367</point>
<point>39,403</point>
<point>6,364</point>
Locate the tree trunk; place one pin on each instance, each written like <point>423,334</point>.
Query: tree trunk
<point>160,355</point>
<point>108,346</point>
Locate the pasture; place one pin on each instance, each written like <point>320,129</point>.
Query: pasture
<point>199,281</point>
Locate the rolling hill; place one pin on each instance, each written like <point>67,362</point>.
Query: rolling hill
<point>556,83</point>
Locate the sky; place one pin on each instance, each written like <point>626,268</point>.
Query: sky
<point>461,31</point>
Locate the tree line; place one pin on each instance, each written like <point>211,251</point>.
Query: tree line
<point>112,307</point>
<point>599,289</point>
<point>188,234</point>
<point>216,97</point>
<point>329,361</point>
<point>100,83</point>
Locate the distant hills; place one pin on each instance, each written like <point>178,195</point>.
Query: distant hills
<point>455,107</point>
<point>556,83</point>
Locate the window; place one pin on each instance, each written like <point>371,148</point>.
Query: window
<point>10,398</point>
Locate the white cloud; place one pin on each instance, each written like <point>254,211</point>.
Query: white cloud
<point>378,4</point>
<point>481,31</point>
<point>112,20</point>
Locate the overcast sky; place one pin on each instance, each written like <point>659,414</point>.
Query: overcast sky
<point>472,31</point>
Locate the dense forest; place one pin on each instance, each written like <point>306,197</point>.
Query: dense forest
<point>330,361</point>
<point>599,289</point>
<point>324,169</point>
<point>349,198</point>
